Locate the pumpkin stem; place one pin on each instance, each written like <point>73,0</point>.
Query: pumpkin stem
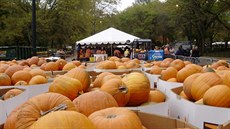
<point>57,108</point>
<point>111,116</point>
<point>123,89</point>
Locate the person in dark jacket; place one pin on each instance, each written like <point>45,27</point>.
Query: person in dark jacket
<point>180,51</point>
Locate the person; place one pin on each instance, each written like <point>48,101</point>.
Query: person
<point>195,52</point>
<point>126,53</point>
<point>88,52</point>
<point>166,50</point>
<point>171,51</point>
<point>103,51</point>
<point>180,51</point>
<point>117,53</point>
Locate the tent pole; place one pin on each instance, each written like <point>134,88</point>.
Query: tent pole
<point>111,50</point>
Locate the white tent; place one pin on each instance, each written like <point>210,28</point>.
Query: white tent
<point>108,36</point>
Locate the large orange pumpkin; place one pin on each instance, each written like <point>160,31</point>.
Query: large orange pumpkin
<point>3,67</point>
<point>38,79</point>
<point>177,64</point>
<point>12,69</point>
<point>4,80</point>
<point>67,86</point>
<point>51,66</point>
<point>82,75</point>
<point>108,77</point>
<point>12,93</point>
<point>90,102</point>
<point>35,72</point>
<point>63,119</point>
<point>139,88</point>
<point>156,96</point>
<point>41,61</point>
<point>34,108</point>
<point>217,96</point>
<point>98,81</point>
<point>168,73</point>
<point>187,85</point>
<point>33,60</point>
<point>187,71</point>
<point>11,119</point>
<point>21,76</point>
<point>155,70</point>
<point>118,90</point>
<point>225,76</point>
<point>69,66</point>
<point>116,118</point>
<point>202,83</point>
<point>61,63</point>
<point>77,63</point>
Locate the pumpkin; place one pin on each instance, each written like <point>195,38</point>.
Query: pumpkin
<point>156,63</point>
<point>121,67</point>
<point>116,118</point>
<point>69,66</point>
<point>156,96</point>
<point>43,66</point>
<point>118,90</point>
<point>202,83</point>
<point>11,119</point>
<point>98,81</point>
<point>139,88</point>
<point>61,63</point>
<point>63,119</point>
<point>33,60</point>
<point>207,69</point>
<point>82,66</point>
<point>66,86</point>
<point>168,73</point>
<point>77,63</point>
<point>177,64</point>
<point>109,65</point>
<point>131,64</point>
<point>187,85</point>
<point>27,69</point>
<point>81,75</point>
<point>21,76</point>
<point>183,95</point>
<point>41,61</point>
<point>90,102</point>
<point>38,79</point>
<point>36,107</point>
<point>222,68</point>
<point>172,80</point>
<point>225,76</point>
<point>21,83</point>
<point>3,67</point>
<point>218,96</point>
<point>187,62</point>
<point>51,66</point>
<point>12,93</point>
<point>187,71</point>
<point>125,59</point>
<point>108,77</point>
<point>114,58</point>
<point>148,65</point>
<point>136,61</point>
<point>35,72</point>
<point>4,80</point>
<point>155,70</point>
<point>166,62</point>
<point>12,69</point>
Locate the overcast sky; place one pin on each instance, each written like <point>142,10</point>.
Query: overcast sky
<point>126,3</point>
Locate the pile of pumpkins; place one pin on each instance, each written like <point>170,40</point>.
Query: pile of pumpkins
<point>117,63</point>
<point>209,85</point>
<point>75,101</point>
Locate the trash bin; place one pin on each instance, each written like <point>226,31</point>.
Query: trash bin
<point>156,55</point>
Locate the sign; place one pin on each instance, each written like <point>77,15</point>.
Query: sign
<point>141,56</point>
<point>2,53</point>
<point>156,55</point>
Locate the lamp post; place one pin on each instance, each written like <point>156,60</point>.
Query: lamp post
<point>34,27</point>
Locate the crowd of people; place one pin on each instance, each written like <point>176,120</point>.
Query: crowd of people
<point>170,50</point>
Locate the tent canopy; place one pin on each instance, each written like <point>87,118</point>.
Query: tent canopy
<point>108,36</point>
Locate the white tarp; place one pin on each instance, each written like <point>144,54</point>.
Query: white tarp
<point>108,36</point>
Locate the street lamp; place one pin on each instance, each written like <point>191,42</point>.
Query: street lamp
<point>34,27</point>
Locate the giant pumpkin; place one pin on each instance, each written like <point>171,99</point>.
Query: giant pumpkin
<point>67,86</point>
<point>21,75</point>
<point>116,118</point>
<point>63,119</point>
<point>168,73</point>
<point>218,95</point>
<point>98,81</point>
<point>82,75</point>
<point>139,88</point>
<point>118,90</point>
<point>90,102</point>
<point>202,83</point>
<point>4,80</point>
<point>187,71</point>
<point>37,106</point>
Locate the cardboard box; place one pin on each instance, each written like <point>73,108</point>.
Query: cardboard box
<point>34,90</point>
<point>199,115</point>
<point>8,105</point>
<point>166,87</point>
<point>153,121</point>
<point>153,78</point>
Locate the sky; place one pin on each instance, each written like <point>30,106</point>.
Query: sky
<point>126,3</point>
